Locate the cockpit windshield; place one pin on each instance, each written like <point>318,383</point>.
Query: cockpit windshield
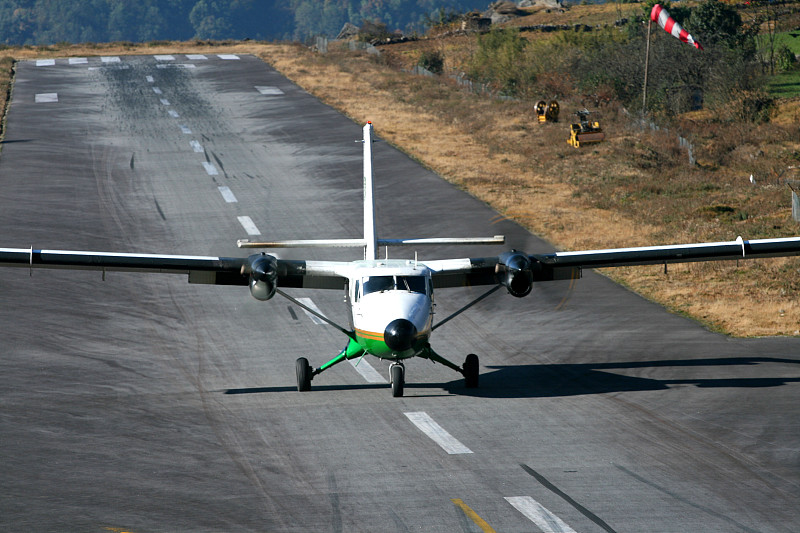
<point>390,283</point>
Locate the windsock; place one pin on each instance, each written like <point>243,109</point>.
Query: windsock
<point>661,15</point>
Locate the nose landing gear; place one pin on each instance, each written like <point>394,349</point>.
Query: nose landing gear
<point>397,378</point>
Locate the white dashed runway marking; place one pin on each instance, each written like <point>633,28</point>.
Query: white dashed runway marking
<point>110,59</point>
<point>539,515</point>
<point>437,433</point>
<point>248,225</point>
<point>45,62</point>
<point>367,371</point>
<point>196,146</point>
<point>157,90</point>
<point>210,169</point>
<point>228,56</point>
<point>173,113</point>
<point>227,194</point>
<point>165,58</point>
<point>78,61</point>
<point>195,57</point>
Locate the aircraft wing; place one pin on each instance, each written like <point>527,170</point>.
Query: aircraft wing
<point>199,269</point>
<point>568,265</point>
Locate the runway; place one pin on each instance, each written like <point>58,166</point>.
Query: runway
<point>141,403</point>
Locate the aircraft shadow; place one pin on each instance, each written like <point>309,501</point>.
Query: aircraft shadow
<point>553,380</point>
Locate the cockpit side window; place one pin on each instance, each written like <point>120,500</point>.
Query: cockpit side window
<point>411,283</point>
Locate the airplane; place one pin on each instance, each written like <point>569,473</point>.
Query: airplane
<point>390,300</point>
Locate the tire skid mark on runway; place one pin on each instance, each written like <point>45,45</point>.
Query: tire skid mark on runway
<point>564,496</point>
<point>684,500</point>
<point>437,433</point>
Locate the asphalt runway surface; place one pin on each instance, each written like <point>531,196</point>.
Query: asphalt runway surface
<point>142,403</point>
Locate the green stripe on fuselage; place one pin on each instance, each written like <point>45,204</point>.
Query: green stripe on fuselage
<point>379,349</point>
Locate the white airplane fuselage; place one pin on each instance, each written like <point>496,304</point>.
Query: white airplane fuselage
<point>392,307</point>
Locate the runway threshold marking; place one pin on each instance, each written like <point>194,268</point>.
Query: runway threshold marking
<point>436,433</point>
<point>268,90</point>
<point>472,515</point>
<point>46,98</point>
<point>539,515</point>
<point>248,225</point>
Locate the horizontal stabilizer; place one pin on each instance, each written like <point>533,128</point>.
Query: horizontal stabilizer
<point>360,243</point>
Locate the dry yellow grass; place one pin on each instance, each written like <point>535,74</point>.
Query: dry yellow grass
<point>492,161</point>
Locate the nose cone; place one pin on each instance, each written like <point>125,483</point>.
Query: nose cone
<point>400,335</point>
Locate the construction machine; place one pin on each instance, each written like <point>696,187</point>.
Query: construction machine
<point>547,112</point>
<point>585,132</point>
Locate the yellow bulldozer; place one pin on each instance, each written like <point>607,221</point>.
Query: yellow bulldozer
<point>547,112</point>
<point>585,132</point>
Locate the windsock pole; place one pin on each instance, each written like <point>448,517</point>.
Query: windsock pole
<point>646,64</point>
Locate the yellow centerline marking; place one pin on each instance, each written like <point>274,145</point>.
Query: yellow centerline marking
<point>486,528</point>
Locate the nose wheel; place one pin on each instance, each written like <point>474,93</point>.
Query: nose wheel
<point>397,378</point>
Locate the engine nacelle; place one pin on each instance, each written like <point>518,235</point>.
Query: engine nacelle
<point>263,276</point>
<point>516,274</point>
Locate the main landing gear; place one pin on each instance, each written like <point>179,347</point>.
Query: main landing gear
<point>470,370</point>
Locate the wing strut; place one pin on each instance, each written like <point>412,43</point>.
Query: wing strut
<point>473,302</point>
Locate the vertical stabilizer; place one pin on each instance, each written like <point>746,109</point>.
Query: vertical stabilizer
<point>370,239</point>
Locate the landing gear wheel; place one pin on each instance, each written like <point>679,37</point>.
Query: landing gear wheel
<point>303,375</point>
<point>471,371</point>
<point>396,372</point>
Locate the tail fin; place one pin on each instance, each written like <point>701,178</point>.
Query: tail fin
<point>370,238</point>
<point>370,242</point>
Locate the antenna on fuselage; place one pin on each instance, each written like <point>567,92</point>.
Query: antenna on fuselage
<point>370,238</point>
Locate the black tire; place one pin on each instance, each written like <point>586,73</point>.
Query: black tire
<point>397,375</point>
<point>471,374</point>
<point>303,375</point>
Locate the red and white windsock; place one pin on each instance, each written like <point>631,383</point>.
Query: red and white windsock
<point>661,15</point>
